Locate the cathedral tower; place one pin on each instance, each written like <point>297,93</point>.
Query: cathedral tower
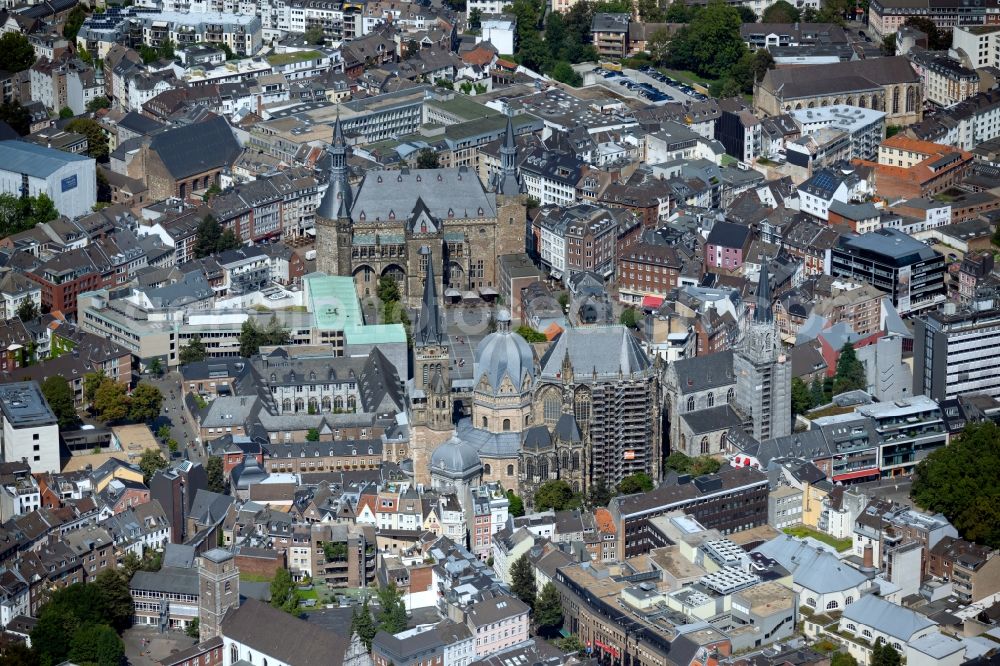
<point>431,403</point>
<point>763,371</point>
<point>512,219</point>
<point>333,215</point>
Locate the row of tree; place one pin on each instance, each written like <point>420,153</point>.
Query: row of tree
<point>850,376</point>
<point>562,40</point>
<point>546,606</point>
<point>391,616</point>
<point>211,239</point>
<point>21,213</point>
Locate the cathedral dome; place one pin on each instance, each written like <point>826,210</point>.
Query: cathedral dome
<point>455,458</point>
<point>504,353</point>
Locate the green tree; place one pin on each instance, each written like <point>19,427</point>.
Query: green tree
<point>216,476</point>
<point>548,610</point>
<point>937,39</point>
<point>747,15</point>
<point>636,483</point>
<point>363,625</point>
<point>59,395</point>
<point>427,159</point>
<point>111,401</point>
<point>889,45</point>
<point>522,580</point>
<point>959,481</point>
<point>392,611</point>
<point>131,564</point>
<point>252,337</point>
<point>884,654</point>
<point>13,653</point>
<point>96,645</point>
<point>678,11</point>
<point>73,22</point>
<point>166,50</point>
<point>163,432</point>
<point>843,659</point>
<point>563,72</point>
<point>570,645</point>
<point>817,396</point>
<point>850,371</point>
<point>97,140</point>
<point>16,52</point>
<point>150,463</point>
<point>283,592</point>
<point>15,115</point>
<point>516,506</point>
<point>18,213</point>
<point>629,318</point>
<point>650,11</point>
<point>315,34</point>
<point>228,241</point>
<point>65,113</point>
<point>600,494</point>
<point>52,634</point>
<point>155,367</point>
<point>173,446</point>
<point>207,237</point>
<point>530,334</point>
<point>113,587</point>
<point>555,494</point>
<point>146,402</point>
<point>476,18</point>
<point>312,435</point>
<point>148,54</point>
<point>388,289</point>
<point>193,352</point>
<point>711,43</point>
<point>781,12</point>
<point>91,382</point>
<point>98,103</point>
<point>801,398</point>
<point>193,629</point>
<point>681,463</point>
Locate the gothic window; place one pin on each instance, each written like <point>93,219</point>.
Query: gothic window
<point>581,407</point>
<point>576,461</point>
<point>313,405</point>
<point>286,405</point>
<point>326,403</point>
<point>704,446</point>
<point>486,422</point>
<point>300,404</point>
<point>529,468</point>
<point>551,407</point>
<point>510,470</point>
<point>233,655</point>
<point>711,399</point>
<point>351,402</point>
<point>911,100</point>
<point>565,461</point>
<point>895,100</point>
<point>543,468</point>
<point>723,442</point>
<point>506,425</point>
<point>730,395</point>
<point>690,406</point>
<point>487,469</point>
<point>832,605</point>
<point>338,404</point>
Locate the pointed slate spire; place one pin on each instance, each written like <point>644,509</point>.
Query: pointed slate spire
<point>762,313</point>
<point>429,321</point>
<point>336,203</point>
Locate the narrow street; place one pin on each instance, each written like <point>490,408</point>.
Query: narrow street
<point>181,428</point>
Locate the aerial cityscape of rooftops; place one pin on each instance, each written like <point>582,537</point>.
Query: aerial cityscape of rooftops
<point>499,332</point>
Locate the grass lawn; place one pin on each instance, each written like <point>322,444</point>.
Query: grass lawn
<point>689,77</point>
<point>803,531</point>
<point>307,594</point>
<point>254,578</point>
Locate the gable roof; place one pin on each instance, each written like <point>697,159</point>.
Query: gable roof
<point>193,149</point>
<point>886,617</point>
<point>282,636</point>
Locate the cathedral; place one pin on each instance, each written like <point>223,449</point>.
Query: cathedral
<point>382,228</point>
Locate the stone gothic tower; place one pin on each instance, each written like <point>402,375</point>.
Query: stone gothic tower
<point>219,590</point>
<point>512,219</point>
<point>333,215</point>
<point>430,403</point>
<point>763,371</point>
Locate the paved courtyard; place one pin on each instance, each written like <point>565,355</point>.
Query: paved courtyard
<point>144,646</point>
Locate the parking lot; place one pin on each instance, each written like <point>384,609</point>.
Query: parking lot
<point>647,84</point>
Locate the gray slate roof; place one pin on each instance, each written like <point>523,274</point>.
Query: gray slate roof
<point>447,193</point>
<point>813,569</point>
<point>604,350</point>
<point>886,617</point>
<point>702,373</point>
<point>196,148</point>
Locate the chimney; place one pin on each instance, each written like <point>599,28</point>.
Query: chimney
<point>869,557</point>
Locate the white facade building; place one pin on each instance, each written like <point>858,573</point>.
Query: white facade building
<point>30,431</point>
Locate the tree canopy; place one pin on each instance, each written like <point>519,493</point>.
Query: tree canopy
<point>637,483</point>
<point>710,45</point>
<point>959,480</point>
<point>81,622</point>
<point>363,625</point>
<point>427,159</point>
<point>253,337</point>
<point>684,464</point>
<point>152,461</point>
<point>850,372</point>
<point>211,239</point>
<point>555,494</point>
<point>74,21</point>
<point>145,403</point>
<point>781,12</point>
<point>937,39</point>
<point>530,334</point>
<point>27,310</point>
<point>193,352</point>
<point>548,610</point>
<point>216,476</point>
<point>283,592</point>
<point>392,610</point>
<point>516,507</point>
<point>59,395</point>
<point>97,140</point>
<point>522,580</point>
<point>19,214</point>
<point>16,52</point>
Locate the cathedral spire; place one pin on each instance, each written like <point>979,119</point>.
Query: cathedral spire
<point>429,320</point>
<point>762,313</point>
<point>506,180</point>
<point>336,203</point>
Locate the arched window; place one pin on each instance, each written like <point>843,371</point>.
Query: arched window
<point>300,405</point>
<point>730,394</point>
<point>543,467</point>
<point>551,407</point>
<point>487,469</point>
<point>866,633</point>
<point>811,602</point>
<point>506,425</point>
<point>704,446</point>
<point>338,404</point>
<point>326,403</point>
<point>576,461</point>
<point>510,470</point>
<point>565,460</point>
<point>286,405</point>
<point>895,100</point>
<point>832,605</point>
<point>848,601</point>
<point>486,422</point>
<point>529,468</point>
<point>233,654</point>
<point>851,627</point>
<point>351,402</point>
<point>711,399</point>
<point>898,647</point>
<point>911,100</point>
<point>724,442</point>
<point>690,406</point>
<point>581,407</point>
